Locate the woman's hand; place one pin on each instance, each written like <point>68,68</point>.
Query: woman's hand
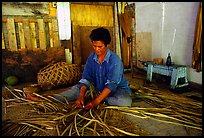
<point>92,104</point>
<point>98,99</point>
<point>80,102</point>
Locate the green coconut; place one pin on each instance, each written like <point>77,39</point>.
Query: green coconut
<point>11,80</point>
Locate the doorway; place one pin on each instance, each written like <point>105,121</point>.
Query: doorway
<point>86,16</point>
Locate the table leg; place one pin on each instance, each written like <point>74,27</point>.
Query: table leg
<point>149,73</point>
<point>174,79</point>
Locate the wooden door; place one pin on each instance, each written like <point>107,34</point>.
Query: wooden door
<point>86,16</point>
<point>86,46</point>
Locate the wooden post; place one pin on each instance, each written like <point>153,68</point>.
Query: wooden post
<point>11,35</point>
<point>42,38</point>
<point>33,35</point>
<point>55,33</point>
<point>27,34</point>
<point>51,34</point>
<point>21,35</point>
<point>3,44</point>
<point>76,44</point>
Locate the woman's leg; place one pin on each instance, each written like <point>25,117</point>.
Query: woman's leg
<point>120,98</point>
<point>70,94</point>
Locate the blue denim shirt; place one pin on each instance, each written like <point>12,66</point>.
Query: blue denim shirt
<point>109,74</point>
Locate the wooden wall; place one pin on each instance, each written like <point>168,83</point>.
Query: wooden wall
<point>30,39</point>
<point>92,15</point>
<point>25,8</point>
<point>30,31</point>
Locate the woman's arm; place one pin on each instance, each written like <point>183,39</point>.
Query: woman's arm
<point>98,99</point>
<point>80,100</point>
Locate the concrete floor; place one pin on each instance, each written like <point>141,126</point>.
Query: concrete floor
<point>154,127</point>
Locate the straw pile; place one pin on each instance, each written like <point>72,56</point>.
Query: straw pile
<point>52,117</point>
<point>170,107</point>
<point>65,119</point>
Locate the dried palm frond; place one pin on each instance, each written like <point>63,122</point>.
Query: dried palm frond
<point>63,119</point>
<point>184,111</point>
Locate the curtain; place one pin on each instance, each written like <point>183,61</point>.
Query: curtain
<point>64,20</point>
<point>197,45</point>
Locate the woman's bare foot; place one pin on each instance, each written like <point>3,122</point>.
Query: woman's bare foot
<point>32,98</point>
<point>28,92</point>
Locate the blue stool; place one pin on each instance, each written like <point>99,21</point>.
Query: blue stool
<point>175,71</point>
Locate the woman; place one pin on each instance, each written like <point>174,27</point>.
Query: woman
<point>103,70</point>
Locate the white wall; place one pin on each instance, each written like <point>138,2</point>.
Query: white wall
<point>172,25</point>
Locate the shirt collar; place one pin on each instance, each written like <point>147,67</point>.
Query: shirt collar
<point>106,57</point>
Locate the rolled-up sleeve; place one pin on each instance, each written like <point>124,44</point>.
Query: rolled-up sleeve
<point>84,82</point>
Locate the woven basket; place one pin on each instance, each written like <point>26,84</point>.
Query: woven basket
<point>57,74</point>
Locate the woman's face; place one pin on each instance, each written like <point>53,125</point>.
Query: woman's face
<point>99,47</point>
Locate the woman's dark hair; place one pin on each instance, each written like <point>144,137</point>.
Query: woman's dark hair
<point>100,34</point>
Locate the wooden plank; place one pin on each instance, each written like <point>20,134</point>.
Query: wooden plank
<point>47,20</point>
<point>130,19</point>
<point>5,32</point>
<point>52,10</point>
<point>76,44</point>
<point>95,3</point>
<point>18,20</point>
<point>56,40</point>
<point>42,37</point>
<point>116,38</point>
<point>83,15</point>
<point>25,8</point>
<point>125,52</point>
<point>33,20</point>
<point>11,35</point>
<point>27,34</point>
<point>51,34</point>
<point>133,45</point>
<point>54,25</point>
<point>33,35</point>
<point>85,43</point>
<point>3,44</point>
<point>21,35</point>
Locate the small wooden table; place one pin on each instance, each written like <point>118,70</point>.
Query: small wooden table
<point>175,71</point>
